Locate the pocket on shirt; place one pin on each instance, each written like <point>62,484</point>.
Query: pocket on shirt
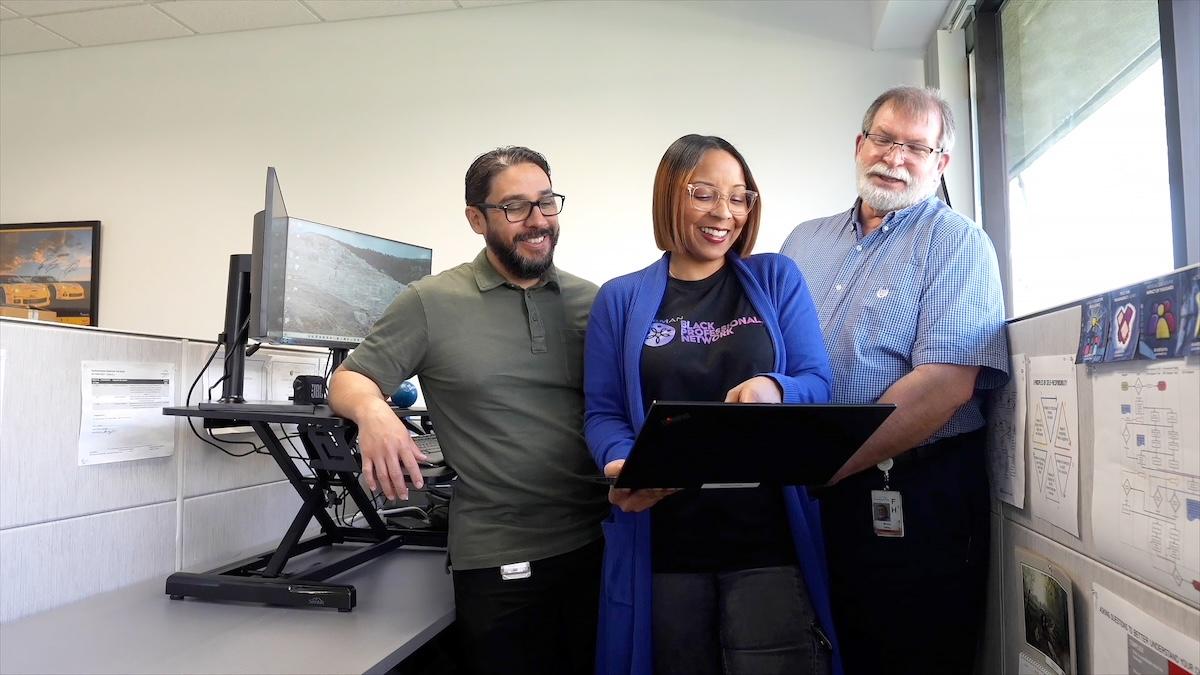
<point>572,354</point>
<point>889,311</point>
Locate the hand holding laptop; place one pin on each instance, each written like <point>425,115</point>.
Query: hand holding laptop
<point>632,501</point>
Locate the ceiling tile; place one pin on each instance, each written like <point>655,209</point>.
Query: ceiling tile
<point>113,26</point>
<point>340,10</point>
<point>220,16</point>
<point>6,13</point>
<point>471,4</point>
<point>19,36</point>
<point>43,7</point>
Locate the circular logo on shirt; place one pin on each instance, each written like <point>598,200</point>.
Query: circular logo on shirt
<point>660,334</point>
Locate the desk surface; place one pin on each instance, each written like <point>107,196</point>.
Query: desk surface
<point>404,599</point>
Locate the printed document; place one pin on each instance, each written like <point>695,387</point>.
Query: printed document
<point>1054,441</point>
<point>121,417</point>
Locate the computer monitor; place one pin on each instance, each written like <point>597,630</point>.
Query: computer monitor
<point>310,284</point>
<point>323,286</point>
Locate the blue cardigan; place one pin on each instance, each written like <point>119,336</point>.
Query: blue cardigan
<point>620,319</point>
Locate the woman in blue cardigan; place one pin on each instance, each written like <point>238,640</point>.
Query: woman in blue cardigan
<point>707,581</point>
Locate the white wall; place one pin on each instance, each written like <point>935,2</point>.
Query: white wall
<point>372,124</point>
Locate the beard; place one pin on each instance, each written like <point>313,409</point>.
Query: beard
<point>882,199</point>
<point>517,264</point>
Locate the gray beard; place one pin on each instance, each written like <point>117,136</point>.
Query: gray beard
<point>886,200</point>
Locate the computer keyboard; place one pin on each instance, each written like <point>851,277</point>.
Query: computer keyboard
<point>428,445</point>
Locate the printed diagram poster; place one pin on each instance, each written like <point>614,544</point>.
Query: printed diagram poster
<point>1124,307</point>
<point>1053,430</point>
<point>121,417</point>
<point>1125,639</point>
<point>1160,317</point>
<point>1093,330</point>
<point>1048,617</point>
<point>1146,485</point>
<point>1006,437</point>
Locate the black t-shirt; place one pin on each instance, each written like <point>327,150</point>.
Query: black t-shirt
<point>708,338</point>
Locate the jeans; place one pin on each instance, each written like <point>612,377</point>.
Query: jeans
<point>754,622</point>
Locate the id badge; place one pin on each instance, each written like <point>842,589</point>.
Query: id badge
<point>887,513</point>
<point>512,571</point>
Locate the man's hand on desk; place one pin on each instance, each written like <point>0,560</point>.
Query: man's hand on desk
<point>388,452</point>
<point>387,449</point>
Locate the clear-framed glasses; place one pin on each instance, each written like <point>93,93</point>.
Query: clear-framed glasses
<point>705,198</point>
<point>915,150</point>
<point>519,209</point>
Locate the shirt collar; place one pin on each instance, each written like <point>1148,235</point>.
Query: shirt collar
<point>487,278</point>
<point>893,219</point>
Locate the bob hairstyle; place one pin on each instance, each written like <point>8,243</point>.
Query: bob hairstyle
<point>670,191</point>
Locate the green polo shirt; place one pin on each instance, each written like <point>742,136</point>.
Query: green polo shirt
<point>501,368</point>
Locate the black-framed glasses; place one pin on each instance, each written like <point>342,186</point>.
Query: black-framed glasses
<point>884,144</point>
<point>706,197</point>
<point>517,210</point>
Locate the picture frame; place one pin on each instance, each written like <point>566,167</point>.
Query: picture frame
<point>52,266</point>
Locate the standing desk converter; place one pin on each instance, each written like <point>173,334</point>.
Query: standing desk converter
<point>328,442</point>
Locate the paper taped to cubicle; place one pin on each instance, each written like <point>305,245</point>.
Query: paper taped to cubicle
<point>1146,475</point>
<point>1006,437</point>
<point>1054,441</point>
<point>1126,639</point>
<point>121,416</point>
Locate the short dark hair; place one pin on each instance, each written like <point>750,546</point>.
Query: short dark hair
<point>915,101</point>
<point>676,168</point>
<point>486,166</point>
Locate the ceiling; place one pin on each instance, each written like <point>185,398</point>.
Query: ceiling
<point>45,25</point>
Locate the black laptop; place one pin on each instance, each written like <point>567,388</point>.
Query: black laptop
<point>694,444</point>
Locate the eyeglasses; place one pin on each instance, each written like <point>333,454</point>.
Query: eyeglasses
<point>884,145</point>
<point>519,209</point>
<point>705,198</point>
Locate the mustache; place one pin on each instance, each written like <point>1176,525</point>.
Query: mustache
<point>895,174</point>
<point>534,234</point>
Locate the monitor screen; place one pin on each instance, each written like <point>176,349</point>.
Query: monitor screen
<point>323,286</point>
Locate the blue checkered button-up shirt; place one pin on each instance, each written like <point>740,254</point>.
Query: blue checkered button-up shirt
<point>924,287</point>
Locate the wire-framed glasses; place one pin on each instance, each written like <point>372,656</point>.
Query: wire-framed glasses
<point>706,197</point>
<point>517,210</point>
<point>916,150</point>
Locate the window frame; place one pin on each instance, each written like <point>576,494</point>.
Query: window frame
<point>1179,29</point>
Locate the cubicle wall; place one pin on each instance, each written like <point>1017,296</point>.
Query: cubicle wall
<point>1057,333</point>
<point>69,531</point>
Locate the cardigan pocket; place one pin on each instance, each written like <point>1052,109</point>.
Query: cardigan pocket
<point>618,559</point>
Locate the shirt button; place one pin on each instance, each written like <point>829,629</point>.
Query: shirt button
<point>838,287</point>
<point>885,228</point>
<point>858,248</point>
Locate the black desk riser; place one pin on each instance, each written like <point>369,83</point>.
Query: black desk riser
<point>328,441</point>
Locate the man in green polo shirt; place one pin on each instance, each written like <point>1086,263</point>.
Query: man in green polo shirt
<point>498,346</point>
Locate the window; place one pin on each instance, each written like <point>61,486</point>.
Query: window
<point>1089,201</point>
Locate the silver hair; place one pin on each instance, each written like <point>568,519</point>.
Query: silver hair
<point>915,101</point>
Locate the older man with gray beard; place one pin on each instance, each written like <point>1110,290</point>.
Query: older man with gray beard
<point>908,292</point>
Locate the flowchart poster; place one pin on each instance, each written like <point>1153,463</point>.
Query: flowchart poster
<point>1146,489</point>
<point>1053,430</point>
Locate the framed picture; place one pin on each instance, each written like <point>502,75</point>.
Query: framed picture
<point>54,266</point>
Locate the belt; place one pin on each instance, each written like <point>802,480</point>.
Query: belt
<point>931,451</point>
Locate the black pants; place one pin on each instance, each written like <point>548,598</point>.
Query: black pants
<point>913,604</point>
<point>742,622</point>
<point>543,624</point>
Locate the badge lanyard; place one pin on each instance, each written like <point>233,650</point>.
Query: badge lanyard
<point>887,509</point>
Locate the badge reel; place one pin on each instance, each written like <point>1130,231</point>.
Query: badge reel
<point>887,510</point>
